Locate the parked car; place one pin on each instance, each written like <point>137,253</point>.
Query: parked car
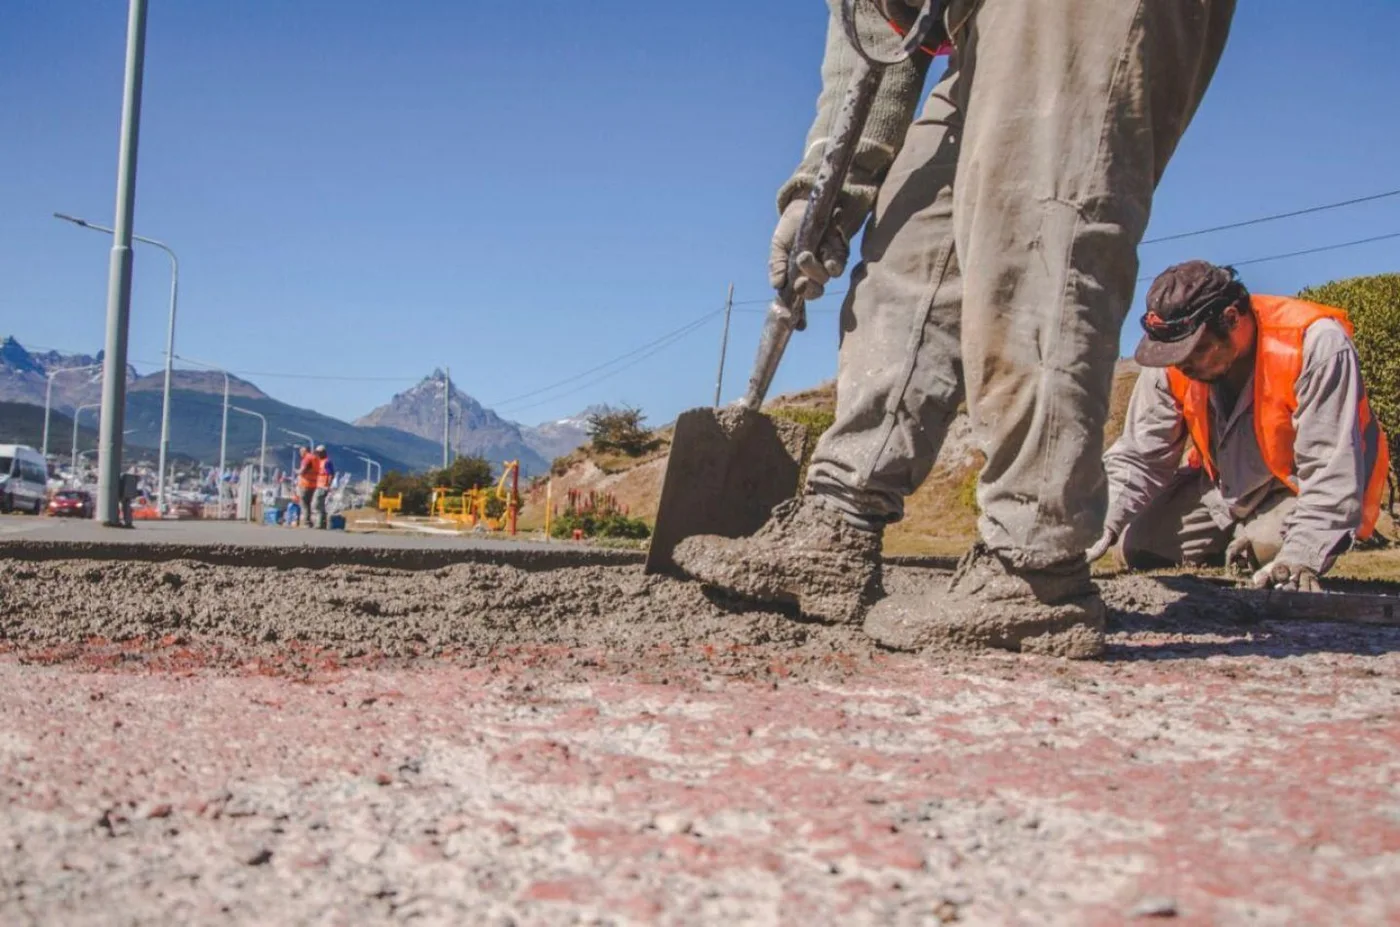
<point>73,503</point>
<point>23,479</point>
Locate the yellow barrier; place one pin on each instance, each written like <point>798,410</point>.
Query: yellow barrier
<point>390,504</point>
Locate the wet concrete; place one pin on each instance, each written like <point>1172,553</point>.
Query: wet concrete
<point>187,742</point>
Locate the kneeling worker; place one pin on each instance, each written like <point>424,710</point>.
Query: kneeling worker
<point>1286,465</point>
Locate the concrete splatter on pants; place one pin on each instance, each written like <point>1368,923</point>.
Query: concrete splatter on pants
<point>1001,260</point>
<point>1177,529</point>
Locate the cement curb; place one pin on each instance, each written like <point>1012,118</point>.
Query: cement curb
<point>288,557</point>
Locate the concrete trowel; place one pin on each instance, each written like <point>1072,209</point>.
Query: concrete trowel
<point>729,467</point>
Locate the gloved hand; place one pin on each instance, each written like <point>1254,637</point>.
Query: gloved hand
<point>815,270</point>
<point>1240,558</point>
<point>1290,577</point>
<point>1101,546</point>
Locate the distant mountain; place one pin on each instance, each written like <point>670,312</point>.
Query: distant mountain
<point>24,376</point>
<point>196,416</point>
<point>475,429</point>
<point>556,439</point>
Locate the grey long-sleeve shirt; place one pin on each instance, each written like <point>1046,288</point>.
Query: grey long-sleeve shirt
<point>885,128</point>
<point>1330,457</point>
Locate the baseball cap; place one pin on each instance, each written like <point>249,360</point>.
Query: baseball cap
<point>1180,302</point>
<point>320,448</point>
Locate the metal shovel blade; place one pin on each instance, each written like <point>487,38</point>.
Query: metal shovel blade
<point>726,471</point>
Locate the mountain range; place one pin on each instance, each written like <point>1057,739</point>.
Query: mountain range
<point>403,434</point>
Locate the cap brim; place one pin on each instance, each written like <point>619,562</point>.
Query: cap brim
<point>1151,353</point>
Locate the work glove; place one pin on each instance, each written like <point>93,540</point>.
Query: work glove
<point>1240,558</point>
<point>1289,577</point>
<point>1101,546</point>
<point>815,270</point>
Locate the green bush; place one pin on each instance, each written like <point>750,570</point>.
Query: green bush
<point>621,431</point>
<point>600,525</point>
<point>416,489</point>
<point>1374,306</point>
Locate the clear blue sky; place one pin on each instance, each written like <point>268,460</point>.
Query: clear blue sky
<point>524,191</point>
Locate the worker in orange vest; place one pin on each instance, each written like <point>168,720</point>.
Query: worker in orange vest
<point>1249,439</point>
<point>325,478</point>
<point>308,476</point>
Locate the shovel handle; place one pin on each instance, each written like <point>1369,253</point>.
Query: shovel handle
<point>788,312</point>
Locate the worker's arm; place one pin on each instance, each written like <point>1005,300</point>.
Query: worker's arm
<point>885,129</point>
<point>1146,457</point>
<point>1329,455</point>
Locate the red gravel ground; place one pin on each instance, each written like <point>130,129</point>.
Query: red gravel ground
<point>1211,775</point>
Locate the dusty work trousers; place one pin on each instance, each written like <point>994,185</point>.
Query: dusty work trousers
<point>308,496</point>
<point>1001,259</point>
<point>318,508</point>
<point>1177,529</point>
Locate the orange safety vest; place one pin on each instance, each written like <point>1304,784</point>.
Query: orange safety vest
<point>1278,362</point>
<point>310,474</point>
<point>323,473</point>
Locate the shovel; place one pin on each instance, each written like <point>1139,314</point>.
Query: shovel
<point>729,467</point>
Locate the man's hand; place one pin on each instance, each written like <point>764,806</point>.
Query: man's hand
<point>1101,546</point>
<point>1240,558</point>
<point>1290,577</point>
<point>815,270</point>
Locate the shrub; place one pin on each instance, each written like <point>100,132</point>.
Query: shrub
<point>815,421</point>
<point>416,489</point>
<point>600,525</point>
<point>621,431</point>
<point>1374,306</point>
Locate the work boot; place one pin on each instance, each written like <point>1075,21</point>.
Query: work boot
<point>990,605</point>
<point>806,554</point>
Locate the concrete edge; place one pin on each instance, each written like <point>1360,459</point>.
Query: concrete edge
<point>318,558</point>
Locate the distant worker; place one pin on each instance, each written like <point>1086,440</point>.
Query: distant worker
<point>1286,463</point>
<point>128,490</point>
<point>325,479</point>
<point>308,476</point>
<point>998,265</point>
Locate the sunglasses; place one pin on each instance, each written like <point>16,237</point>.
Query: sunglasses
<point>1177,329</point>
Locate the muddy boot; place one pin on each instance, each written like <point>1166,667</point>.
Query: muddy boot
<point>989,605</point>
<point>806,554</point>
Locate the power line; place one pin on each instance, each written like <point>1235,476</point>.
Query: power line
<point>1260,220</point>
<point>675,334</point>
<point>1291,254</point>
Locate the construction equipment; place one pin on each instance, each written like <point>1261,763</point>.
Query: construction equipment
<point>728,468</point>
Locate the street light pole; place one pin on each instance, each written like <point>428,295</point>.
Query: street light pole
<point>262,451</point>
<point>119,277</point>
<point>169,343</point>
<point>369,474</point>
<point>73,455</point>
<point>48,398</point>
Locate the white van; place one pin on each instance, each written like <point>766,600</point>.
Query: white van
<point>24,479</point>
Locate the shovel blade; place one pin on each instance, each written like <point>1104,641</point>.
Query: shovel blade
<point>726,471</point>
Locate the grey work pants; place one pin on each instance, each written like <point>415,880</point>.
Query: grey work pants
<point>1176,528</point>
<point>318,508</point>
<point>1001,259</point>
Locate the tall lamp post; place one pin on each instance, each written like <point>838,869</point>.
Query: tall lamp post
<point>262,451</point>
<point>369,473</point>
<point>73,455</point>
<point>169,343</point>
<point>109,458</point>
<point>223,430</point>
<point>48,397</point>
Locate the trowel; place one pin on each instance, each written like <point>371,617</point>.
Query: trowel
<point>729,467</point>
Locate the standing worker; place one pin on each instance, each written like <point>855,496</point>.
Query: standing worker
<point>1287,464</point>
<point>997,268</point>
<point>308,476</point>
<point>325,478</point>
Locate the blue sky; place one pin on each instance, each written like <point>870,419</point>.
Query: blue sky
<point>526,191</point>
